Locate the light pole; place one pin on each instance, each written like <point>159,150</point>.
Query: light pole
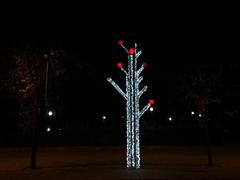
<point>41,102</point>
<point>34,128</point>
<point>205,128</point>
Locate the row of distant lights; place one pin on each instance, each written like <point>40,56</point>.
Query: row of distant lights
<point>170,118</point>
<point>50,113</point>
<point>152,109</point>
<point>193,113</point>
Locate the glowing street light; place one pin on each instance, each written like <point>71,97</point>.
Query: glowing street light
<point>48,129</point>
<point>192,113</point>
<point>50,113</point>
<point>200,115</point>
<point>151,109</point>
<point>104,118</point>
<point>170,118</point>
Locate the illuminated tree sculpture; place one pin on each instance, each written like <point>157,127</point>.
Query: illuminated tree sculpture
<point>132,96</point>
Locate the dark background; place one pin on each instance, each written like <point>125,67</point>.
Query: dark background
<point>91,55</point>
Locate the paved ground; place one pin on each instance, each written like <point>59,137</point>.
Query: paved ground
<point>163,162</point>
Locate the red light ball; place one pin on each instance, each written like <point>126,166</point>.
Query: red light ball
<point>151,102</point>
<point>131,51</point>
<point>120,65</point>
<point>120,42</point>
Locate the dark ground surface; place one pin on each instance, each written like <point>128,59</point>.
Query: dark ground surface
<point>158,162</point>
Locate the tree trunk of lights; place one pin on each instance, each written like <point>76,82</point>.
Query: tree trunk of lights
<point>132,95</point>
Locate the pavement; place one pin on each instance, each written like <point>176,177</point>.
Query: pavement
<point>158,162</point>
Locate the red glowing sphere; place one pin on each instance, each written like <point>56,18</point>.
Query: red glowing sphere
<point>151,102</point>
<point>144,64</point>
<point>131,51</point>
<point>120,65</point>
<point>120,42</point>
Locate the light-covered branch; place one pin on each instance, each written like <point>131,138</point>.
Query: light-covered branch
<point>138,54</point>
<point>124,71</point>
<point>139,80</point>
<point>117,88</point>
<point>140,70</point>
<point>144,109</point>
<point>142,91</point>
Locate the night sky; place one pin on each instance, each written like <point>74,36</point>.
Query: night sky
<point>92,54</point>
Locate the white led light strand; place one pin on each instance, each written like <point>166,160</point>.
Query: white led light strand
<point>132,112</point>
<point>117,87</point>
<point>132,96</point>
<point>137,150</point>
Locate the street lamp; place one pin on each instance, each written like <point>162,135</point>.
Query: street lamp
<point>192,113</point>
<point>151,109</point>
<point>104,118</point>
<point>50,113</point>
<point>48,129</point>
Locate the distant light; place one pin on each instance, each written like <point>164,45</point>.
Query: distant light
<point>192,113</point>
<point>151,109</point>
<point>48,129</point>
<point>59,129</point>
<point>50,113</point>
<point>170,118</point>
<point>104,117</point>
<point>200,115</point>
